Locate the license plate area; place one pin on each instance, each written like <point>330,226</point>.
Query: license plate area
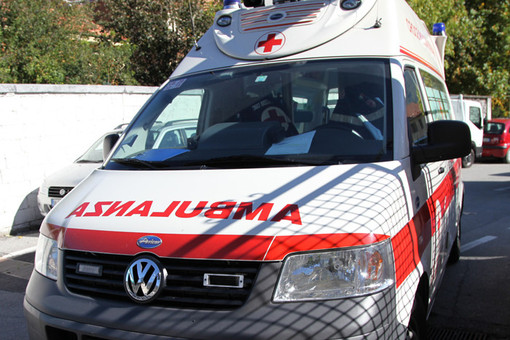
<point>223,280</point>
<point>54,202</point>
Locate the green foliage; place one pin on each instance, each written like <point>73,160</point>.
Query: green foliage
<point>478,47</point>
<point>494,61</point>
<point>161,32</point>
<point>142,41</point>
<point>51,42</point>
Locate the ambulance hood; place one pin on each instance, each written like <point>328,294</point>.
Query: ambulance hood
<point>244,214</point>
<point>263,32</point>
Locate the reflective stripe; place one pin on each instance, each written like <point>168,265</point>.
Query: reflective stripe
<point>411,241</point>
<point>231,247</point>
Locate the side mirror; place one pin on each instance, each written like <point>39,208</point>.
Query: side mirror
<point>447,139</point>
<point>108,144</point>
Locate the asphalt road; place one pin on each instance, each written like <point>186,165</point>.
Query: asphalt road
<point>473,301</point>
<point>474,297</point>
<point>16,264</point>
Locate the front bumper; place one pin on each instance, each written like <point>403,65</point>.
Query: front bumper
<point>498,151</point>
<point>43,201</point>
<point>52,312</point>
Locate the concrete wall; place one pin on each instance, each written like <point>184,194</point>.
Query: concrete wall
<point>45,127</point>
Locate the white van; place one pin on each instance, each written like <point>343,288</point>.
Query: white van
<point>319,195</point>
<point>470,112</point>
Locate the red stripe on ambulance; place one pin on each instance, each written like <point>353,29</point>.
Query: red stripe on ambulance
<point>410,242</point>
<point>227,247</point>
<point>284,245</point>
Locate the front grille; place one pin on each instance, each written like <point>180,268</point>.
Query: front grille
<point>184,285</point>
<point>59,192</point>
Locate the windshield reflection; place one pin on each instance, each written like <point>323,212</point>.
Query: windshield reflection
<point>314,112</point>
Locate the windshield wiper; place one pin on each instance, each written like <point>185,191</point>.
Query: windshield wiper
<point>135,162</point>
<point>88,161</point>
<point>250,161</point>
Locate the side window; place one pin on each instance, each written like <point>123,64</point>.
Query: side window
<point>181,113</point>
<point>308,100</point>
<point>333,97</point>
<point>169,139</point>
<point>183,107</point>
<point>437,96</point>
<point>416,119</point>
<point>475,116</point>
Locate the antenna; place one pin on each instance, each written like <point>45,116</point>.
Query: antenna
<point>378,20</point>
<point>197,47</point>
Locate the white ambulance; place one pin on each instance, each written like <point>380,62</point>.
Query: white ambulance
<point>317,197</point>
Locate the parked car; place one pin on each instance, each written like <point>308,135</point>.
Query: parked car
<point>175,135</point>
<point>60,183</point>
<point>496,139</point>
<point>470,112</point>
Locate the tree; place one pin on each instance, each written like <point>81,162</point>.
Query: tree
<point>161,31</point>
<point>142,41</point>
<point>51,41</point>
<point>477,50</point>
<point>494,57</point>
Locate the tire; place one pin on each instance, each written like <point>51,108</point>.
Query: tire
<point>506,159</point>
<point>468,160</point>
<point>417,328</point>
<point>454,256</point>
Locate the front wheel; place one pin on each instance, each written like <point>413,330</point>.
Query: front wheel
<point>417,329</point>
<point>455,252</point>
<point>506,159</point>
<point>468,160</point>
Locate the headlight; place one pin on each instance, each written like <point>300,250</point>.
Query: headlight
<point>46,256</point>
<point>336,274</point>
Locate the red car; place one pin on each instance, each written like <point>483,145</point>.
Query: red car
<point>496,139</point>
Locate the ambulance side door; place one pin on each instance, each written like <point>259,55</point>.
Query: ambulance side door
<point>421,184</point>
<point>441,181</point>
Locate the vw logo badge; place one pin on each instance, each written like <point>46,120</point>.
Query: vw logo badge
<point>143,280</point>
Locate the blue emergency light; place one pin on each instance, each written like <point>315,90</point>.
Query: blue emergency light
<point>439,29</point>
<point>231,4</point>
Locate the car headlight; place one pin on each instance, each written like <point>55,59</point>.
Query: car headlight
<point>46,256</point>
<point>335,274</point>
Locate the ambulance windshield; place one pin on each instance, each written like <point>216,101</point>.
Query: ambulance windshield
<point>307,112</point>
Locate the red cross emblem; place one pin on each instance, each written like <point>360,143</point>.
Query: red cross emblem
<point>270,43</point>
<point>273,113</point>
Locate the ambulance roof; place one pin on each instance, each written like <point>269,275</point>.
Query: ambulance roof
<point>313,29</point>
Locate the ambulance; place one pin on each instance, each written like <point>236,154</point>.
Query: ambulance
<point>317,196</point>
